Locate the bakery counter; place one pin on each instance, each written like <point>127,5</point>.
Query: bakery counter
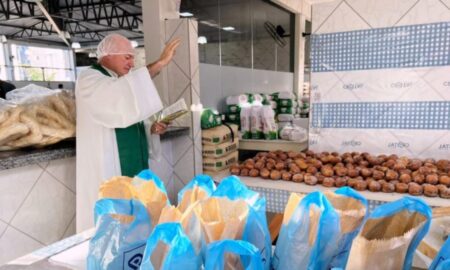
<point>27,156</point>
<point>277,192</point>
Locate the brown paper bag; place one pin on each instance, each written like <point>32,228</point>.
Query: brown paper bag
<point>221,218</point>
<point>383,242</point>
<point>147,192</point>
<point>192,196</point>
<point>351,211</point>
<point>187,219</point>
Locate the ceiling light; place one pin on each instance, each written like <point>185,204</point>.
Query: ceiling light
<point>134,43</point>
<point>76,45</point>
<point>202,40</point>
<point>228,28</point>
<point>186,14</point>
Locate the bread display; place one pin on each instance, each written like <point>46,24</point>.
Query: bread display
<point>361,171</point>
<point>37,121</point>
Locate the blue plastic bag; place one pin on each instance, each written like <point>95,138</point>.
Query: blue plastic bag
<point>443,257</point>
<point>294,249</point>
<point>256,230</point>
<point>118,244</point>
<point>445,265</point>
<point>180,253</point>
<point>346,238</point>
<point>202,181</point>
<point>249,255</point>
<point>391,235</point>
<point>148,175</point>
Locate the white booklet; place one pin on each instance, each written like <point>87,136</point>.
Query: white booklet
<point>173,111</point>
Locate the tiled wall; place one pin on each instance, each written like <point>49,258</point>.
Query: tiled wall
<point>296,6</point>
<point>37,207</point>
<point>380,73</point>
<point>182,158</point>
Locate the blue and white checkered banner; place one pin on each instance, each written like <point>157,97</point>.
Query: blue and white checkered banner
<point>409,46</point>
<point>384,90</point>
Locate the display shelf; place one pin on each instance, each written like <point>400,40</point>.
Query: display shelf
<point>269,145</point>
<point>277,192</point>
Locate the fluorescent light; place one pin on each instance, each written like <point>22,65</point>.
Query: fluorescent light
<point>228,28</point>
<point>76,45</point>
<point>134,43</point>
<point>202,40</point>
<point>186,14</point>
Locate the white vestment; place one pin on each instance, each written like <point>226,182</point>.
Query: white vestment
<point>103,104</point>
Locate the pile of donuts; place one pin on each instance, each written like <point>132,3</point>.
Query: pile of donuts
<point>361,171</point>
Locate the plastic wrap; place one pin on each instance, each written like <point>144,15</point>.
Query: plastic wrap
<point>36,116</point>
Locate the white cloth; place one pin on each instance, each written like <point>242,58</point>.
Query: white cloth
<point>103,104</point>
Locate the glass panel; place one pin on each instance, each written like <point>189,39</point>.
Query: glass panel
<point>236,33</point>
<point>3,75</point>
<point>264,46</point>
<point>207,14</point>
<point>41,64</point>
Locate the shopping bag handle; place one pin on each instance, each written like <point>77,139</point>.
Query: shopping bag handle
<point>122,207</point>
<point>216,251</point>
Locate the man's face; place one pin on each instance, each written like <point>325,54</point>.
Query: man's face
<point>119,63</point>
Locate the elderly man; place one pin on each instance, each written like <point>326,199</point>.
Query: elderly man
<point>112,101</point>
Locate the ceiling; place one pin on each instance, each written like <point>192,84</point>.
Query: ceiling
<point>83,21</point>
<point>88,21</point>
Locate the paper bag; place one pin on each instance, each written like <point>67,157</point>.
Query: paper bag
<point>168,248</point>
<point>232,255</point>
<point>352,210</point>
<point>199,188</point>
<point>221,218</point>
<point>122,227</point>
<point>256,229</point>
<point>390,236</point>
<point>146,187</point>
<point>309,234</point>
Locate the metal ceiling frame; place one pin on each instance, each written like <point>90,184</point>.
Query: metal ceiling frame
<point>84,20</point>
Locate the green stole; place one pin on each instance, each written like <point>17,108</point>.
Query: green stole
<point>131,143</point>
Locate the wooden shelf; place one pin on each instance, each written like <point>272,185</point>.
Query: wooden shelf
<point>272,145</point>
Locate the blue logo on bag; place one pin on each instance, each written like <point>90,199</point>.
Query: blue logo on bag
<point>132,259</point>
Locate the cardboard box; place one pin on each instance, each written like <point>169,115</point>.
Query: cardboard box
<point>218,135</point>
<point>220,150</point>
<point>222,163</point>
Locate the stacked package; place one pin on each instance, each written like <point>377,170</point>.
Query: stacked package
<point>254,115</point>
<point>220,146</point>
<point>286,108</point>
<point>258,122</point>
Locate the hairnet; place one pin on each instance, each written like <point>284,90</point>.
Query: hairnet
<point>114,44</point>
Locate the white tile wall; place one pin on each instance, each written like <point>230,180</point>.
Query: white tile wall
<point>182,82</point>
<point>343,18</point>
<point>15,185</point>
<point>427,11</point>
<point>64,171</point>
<point>47,211</point>
<point>347,15</point>
<point>14,243</point>
<point>37,207</point>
